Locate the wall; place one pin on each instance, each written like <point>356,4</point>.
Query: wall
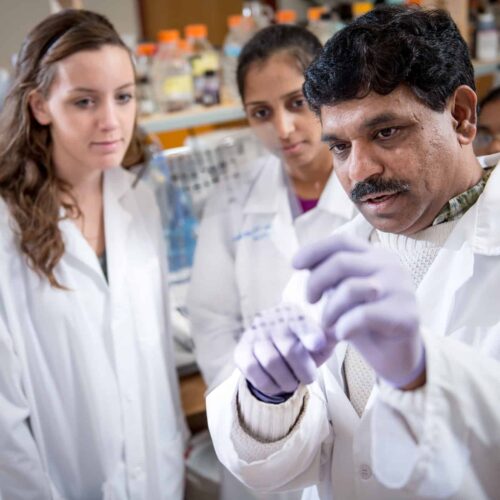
<point>19,16</point>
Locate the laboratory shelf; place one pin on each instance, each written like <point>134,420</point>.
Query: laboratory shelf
<point>192,117</point>
<point>199,115</point>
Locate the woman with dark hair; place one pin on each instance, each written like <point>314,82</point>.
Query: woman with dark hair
<point>89,404</point>
<point>242,262</point>
<point>292,196</point>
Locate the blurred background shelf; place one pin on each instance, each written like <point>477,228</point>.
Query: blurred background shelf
<point>193,117</point>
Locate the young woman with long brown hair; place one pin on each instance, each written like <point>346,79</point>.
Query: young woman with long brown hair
<point>89,403</point>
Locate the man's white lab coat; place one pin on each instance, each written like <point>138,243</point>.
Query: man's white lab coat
<point>442,441</point>
<point>89,404</point>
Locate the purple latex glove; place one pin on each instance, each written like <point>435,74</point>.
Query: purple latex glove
<point>281,350</point>
<point>369,301</point>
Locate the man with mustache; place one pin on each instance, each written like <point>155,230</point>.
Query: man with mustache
<point>387,386</point>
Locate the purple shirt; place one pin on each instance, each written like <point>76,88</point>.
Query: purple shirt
<point>307,205</point>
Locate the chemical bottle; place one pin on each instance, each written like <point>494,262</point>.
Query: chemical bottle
<point>172,77</point>
<point>313,16</point>
<point>486,37</point>
<point>286,16</point>
<point>239,33</point>
<point>323,24</point>
<point>258,15</point>
<point>361,8</point>
<point>144,68</point>
<point>204,59</point>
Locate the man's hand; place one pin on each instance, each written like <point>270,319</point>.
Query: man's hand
<point>281,350</point>
<point>369,301</point>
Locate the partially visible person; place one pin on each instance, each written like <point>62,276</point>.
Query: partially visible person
<point>244,249</point>
<point>487,140</point>
<point>388,389</point>
<point>89,403</point>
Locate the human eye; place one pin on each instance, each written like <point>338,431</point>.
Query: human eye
<point>84,102</point>
<point>387,133</point>
<point>339,149</point>
<point>298,102</point>
<point>124,97</point>
<point>260,113</point>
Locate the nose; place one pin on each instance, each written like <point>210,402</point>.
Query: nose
<point>108,116</point>
<point>284,124</point>
<point>363,162</point>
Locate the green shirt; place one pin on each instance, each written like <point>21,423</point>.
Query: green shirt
<point>458,205</point>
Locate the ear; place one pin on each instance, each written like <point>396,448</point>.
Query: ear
<point>39,108</point>
<point>463,107</point>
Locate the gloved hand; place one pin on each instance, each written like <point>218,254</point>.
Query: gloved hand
<point>369,301</point>
<point>281,350</point>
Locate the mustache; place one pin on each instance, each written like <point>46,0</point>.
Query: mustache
<point>375,186</point>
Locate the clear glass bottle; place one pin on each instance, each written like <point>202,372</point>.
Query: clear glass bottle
<point>486,37</point>
<point>172,77</point>
<point>240,31</point>
<point>146,101</point>
<point>203,58</point>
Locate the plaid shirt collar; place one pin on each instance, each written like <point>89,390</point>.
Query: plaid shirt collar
<point>458,205</point>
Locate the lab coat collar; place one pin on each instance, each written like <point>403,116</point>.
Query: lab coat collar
<point>267,186</point>
<point>270,188</point>
<point>117,183</point>
<point>335,200</point>
<point>484,235</point>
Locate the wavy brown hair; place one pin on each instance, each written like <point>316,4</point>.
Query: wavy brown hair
<point>28,182</point>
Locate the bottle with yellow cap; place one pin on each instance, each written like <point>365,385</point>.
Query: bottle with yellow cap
<point>286,16</point>
<point>205,63</point>
<point>172,79</point>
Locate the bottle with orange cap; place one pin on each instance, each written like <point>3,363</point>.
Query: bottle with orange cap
<point>205,65</point>
<point>286,16</point>
<point>146,101</point>
<point>240,31</point>
<point>172,79</point>
<point>361,8</point>
<point>323,23</point>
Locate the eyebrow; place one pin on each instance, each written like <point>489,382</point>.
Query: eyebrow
<point>86,89</point>
<point>376,121</point>
<point>286,96</point>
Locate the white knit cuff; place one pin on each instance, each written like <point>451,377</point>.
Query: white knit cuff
<point>267,422</point>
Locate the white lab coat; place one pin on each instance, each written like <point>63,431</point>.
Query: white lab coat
<point>442,441</point>
<point>243,254</point>
<point>89,403</point>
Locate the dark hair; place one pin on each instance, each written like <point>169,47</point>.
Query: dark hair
<point>492,96</point>
<point>28,181</point>
<point>299,43</point>
<point>388,47</point>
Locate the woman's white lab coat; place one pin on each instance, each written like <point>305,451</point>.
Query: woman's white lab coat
<point>442,441</point>
<point>246,241</point>
<point>89,404</point>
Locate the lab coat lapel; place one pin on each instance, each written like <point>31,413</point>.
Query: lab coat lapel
<point>117,220</point>
<point>270,196</point>
<point>477,232</point>
<point>79,253</point>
